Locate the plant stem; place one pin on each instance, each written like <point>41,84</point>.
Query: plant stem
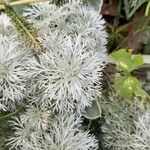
<point>21,2</point>
<point>11,114</point>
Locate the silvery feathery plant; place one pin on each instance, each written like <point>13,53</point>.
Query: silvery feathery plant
<point>127,126</point>
<point>12,70</point>
<point>5,25</point>
<point>61,82</point>
<point>68,75</point>
<point>74,20</point>
<point>40,130</point>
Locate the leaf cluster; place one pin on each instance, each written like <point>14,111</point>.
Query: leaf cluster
<point>125,84</point>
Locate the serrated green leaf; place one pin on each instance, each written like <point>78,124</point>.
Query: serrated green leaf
<point>126,61</point>
<point>138,91</point>
<point>122,59</point>
<point>129,86</point>
<point>121,88</point>
<point>137,61</point>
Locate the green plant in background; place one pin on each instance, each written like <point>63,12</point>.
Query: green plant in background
<point>131,6</point>
<point>125,84</point>
<point>120,33</point>
<point>147,9</point>
<point>116,35</point>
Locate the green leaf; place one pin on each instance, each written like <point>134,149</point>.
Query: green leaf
<point>129,9</point>
<point>126,61</point>
<point>147,9</point>
<point>137,61</point>
<point>122,28</point>
<point>121,87</point>
<point>116,35</point>
<point>94,111</point>
<point>138,91</point>
<point>129,86</point>
<point>123,59</point>
<point>147,46</point>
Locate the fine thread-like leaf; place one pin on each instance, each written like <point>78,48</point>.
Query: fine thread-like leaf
<point>27,32</point>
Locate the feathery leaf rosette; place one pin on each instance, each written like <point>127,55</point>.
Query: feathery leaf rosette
<point>12,71</point>
<point>63,133</point>
<point>141,139</point>
<point>126,127</point>
<point>23,135</point>
<point>69,73</point>
<point>44,15</point>
<point>49,14</point>
<point>37,118</point>
<point>28,126</point>
<point>73,18</point>
<point>68,77</point>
